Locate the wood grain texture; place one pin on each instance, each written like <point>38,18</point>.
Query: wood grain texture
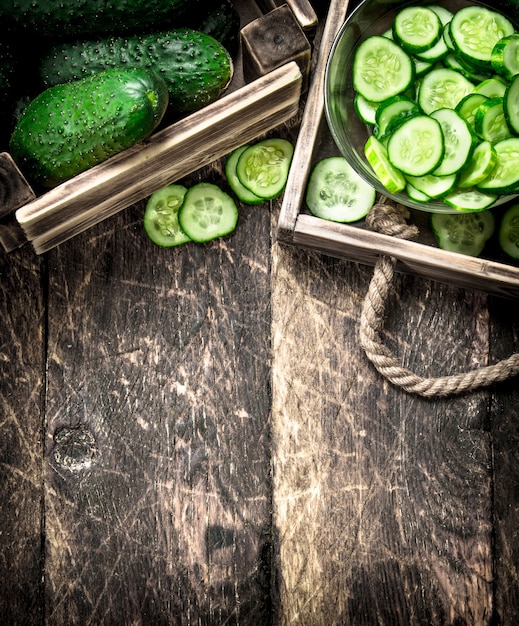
<point>158,490</point>
<point>14,189</point>
<point>22,343</point>
<point>505,420</point>
<point>382,501</point>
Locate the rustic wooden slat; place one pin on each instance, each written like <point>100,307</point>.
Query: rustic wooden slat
<point>22,342</point>
<point>157,480</point>
<point>169,155</point>
<point>382,501</point>
<point>11,234</point>
<point>310,125</point>
<point>505,438</point>
<point>356,243</point>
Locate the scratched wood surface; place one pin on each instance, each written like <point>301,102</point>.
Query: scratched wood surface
<point>194,436</point>
<point>386,504</point>
<point>157,428</point>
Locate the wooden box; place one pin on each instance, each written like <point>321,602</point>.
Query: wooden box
<point>492,273</point>
<point>260,97</point>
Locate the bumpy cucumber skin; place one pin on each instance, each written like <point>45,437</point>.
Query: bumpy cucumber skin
<point>195,67</point>
<point>63,19</point>
<point>72,127</point>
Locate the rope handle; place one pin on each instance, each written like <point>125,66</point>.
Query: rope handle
<point>391,219</point>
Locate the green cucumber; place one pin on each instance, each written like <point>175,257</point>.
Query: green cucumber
<point>207,213</point>
<point>60,20</point>
<point>381,69</point>
<point>509,232</point>
<point>263,167</point>
<point>511,105</point>
<point>466,233</point>
<point>417,146</point>
<point>160,219</point>
<point>504,178</point>
<point>443,88</point>
<point>244,195</point>
<point>417,28</point>
<point>376,154</point>
<point>195,67</point>
<point>71,127</point>
<point>337,193</point>
<point>475,30</point>
<point>490,122</point>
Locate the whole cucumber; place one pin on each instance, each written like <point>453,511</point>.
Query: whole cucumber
<point>195,67</point>
<point>65,19</point>
<point>69,128</point>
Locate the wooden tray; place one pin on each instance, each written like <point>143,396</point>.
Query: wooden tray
<point>265,91</point>
<point>296,226</point>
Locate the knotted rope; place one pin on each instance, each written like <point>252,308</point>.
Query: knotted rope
<point>390,220</point>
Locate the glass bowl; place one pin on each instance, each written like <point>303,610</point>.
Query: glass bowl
<point>374,17</point>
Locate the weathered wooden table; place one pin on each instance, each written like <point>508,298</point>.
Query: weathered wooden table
<point>195,436</point>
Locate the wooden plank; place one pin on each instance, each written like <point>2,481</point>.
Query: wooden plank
<point>359,244</point>
<point>22,343</point>
<point>382,500</point>
<point>167,156</point>
<point>505,420</point>
<point>157,484</point>
<point>311,124</point>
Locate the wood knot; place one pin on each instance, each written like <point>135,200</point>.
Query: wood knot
<point>75,449</point>
<point>390,219</point>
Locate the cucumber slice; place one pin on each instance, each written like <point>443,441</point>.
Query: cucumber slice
<point>365,110</point>
<point>421,67</point>
<point>390,177</point>
<point>263,167</point>
<point>453,62</point>
<point>243,194</point>
<point>475,30</point>
<point>160,219</point>
<point>434,186</point>
<point>493,87</point>
<point>469,200</point>
<point>416,147</point>
<point>416,194</point>
<point>336,192</point>
<point>511,105</point>
<point>465,233</point>
<point>490,122</point>
<point>207,213</point>
<point>417,28</point>
<point>381,69</point>
<point>447,37</point>
<point>509,232</point>
<point>458,141</point>
<point>395,108</point>
<point>468,106</point>
<point>504,178</point>
<point>480,166</point>
<point>505,56</point>
<point>443,88</point>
